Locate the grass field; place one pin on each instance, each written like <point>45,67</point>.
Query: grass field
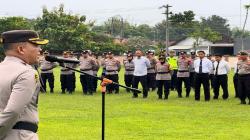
<point>78,117</point>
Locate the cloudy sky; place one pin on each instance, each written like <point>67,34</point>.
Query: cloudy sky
<point>135,11</point>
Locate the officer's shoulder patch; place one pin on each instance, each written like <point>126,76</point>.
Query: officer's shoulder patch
<point>36,77</point>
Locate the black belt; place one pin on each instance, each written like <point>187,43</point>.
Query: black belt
<point>110,70</point>
<point>243,75</point>
<point>46,69</point>
<point>129,70</point>
<point>150,68</point>
<point>85,69</point>
<point>65,70</point>
<point>183,71</point>
<point>26,126</point>
<point>162,72</point>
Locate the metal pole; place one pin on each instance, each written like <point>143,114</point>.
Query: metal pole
<point>103,115</point>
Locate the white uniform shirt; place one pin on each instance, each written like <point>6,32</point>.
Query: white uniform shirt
<point>207,65</point>
<point>141,65</point>
<point>223,67</point>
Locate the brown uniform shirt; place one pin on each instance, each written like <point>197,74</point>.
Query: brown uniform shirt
<point>18,98</point>
<point>183,67</point>
<point>153,62</point>
<point>244,67</point>
<point>87,65</point>
<point>112,66</point>
<point>129,67</point>
<point>46,66</point>
<point>162,71</point>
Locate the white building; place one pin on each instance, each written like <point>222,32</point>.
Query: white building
<point>209,47</point>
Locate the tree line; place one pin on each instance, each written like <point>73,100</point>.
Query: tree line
<point>67,31</point>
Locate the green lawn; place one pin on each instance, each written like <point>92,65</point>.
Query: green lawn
<point>78,117</point>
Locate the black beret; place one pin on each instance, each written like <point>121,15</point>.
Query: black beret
<point>243,53</point>
<point>85,51</point>
<point>16,36</point>
<point>192,53</point>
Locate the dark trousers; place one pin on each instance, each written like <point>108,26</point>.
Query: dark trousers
<point>220,80</point>
<point>73,81</point>
<point>244,87</point>
<point>143,81</point>
<point>66,82</point>
<point>151,82</point>
<point>235,78</point>
<point>128,79</point>
<point>191,77</point>
<point>87,84</point>
<point>202,79</point>
<point>95,81</point>
<point>112,87</point>
<point>174,80</point>
<point>186,81</point>
<point>47,77</point>
<point>211,79</point>
<point>160,85</point>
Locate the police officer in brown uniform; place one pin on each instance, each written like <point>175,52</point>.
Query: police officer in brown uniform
<point>47,73</point>
<point>19,85</point>
<point>95,71</point>
<point>151,71</point>
<point>244,76</point>
<point>192,72</point>
<point>112,67</point>
<point>129,70</point>
<point>87,65</point>
<point>71,56</point>
<point>66,76</point>
<point>163,77</point>
<point>183,74</point>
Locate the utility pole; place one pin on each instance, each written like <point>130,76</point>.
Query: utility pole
<point>167,7</point>
<point>244,25</point>
<point>122,26</point>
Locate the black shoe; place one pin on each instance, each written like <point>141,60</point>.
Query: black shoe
<point>144,97</point>
<point>215,98</point>
<point>179,96</point>
<point>134,96</point>
<point>187,96</point>
<point>166,98</point>
<point>243,102</point>
<point>63,92</point>
<point>51,91</point>
<point>160,98</point>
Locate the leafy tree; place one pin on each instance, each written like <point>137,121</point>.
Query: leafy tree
<point>205,33</point>
<point>218,24</point>
<point>64,30</point>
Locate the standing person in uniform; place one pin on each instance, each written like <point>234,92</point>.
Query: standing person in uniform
<point>183,74</point>
<point>66,76</point>
<point>151,82</point>
<point>71,56</point>
<point>112,67</point>
<point>202,67</point>
<point>87,65</point>
<point>129,70</point>
<point>244,76</point>
<point>172,60</point>
<point>47,73</point>
<point>95,71</point>
<point>236,77</point>
<point>104,57</point>
<point>140,73</point>
<point>211,73</point>
<point>220,76</point>
<point>163,77</point>
<point>192,72</point>
<point>20,85</point>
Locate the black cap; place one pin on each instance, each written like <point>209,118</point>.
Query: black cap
<point>104,53</point>
<point>220,55</point>
<point>129,55</point>
<point>192,53</point>
<point>46,52</point>
<point>85,51</point>
<point>162,57</point>
<point>109,53</point>
<point>16,36</point>
<point>243,53</point>
<point>182,52</point>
